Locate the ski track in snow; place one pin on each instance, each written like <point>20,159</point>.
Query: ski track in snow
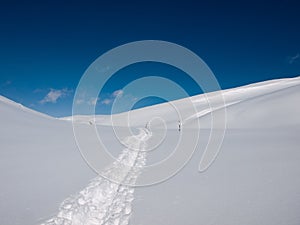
<point>104,202</point>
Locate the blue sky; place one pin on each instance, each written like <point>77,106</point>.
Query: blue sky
<point>47,45</point>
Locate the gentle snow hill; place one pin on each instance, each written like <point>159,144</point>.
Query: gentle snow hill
<point>255,179</point>
<point>266,104</point>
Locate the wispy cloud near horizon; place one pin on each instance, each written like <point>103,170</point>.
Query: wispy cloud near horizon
<point>118,93</point>
<point>93,101</point>
<point>293,59</point>
<point>106,101</point>
<point>54,95</point>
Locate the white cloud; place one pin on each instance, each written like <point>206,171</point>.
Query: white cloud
<point>110,99</point>
<point>79,101</point>
<point>93,101</point>
<point>292,59</point>
<point>53,95</point>
<point>106,101</point>
<point>118,93</point>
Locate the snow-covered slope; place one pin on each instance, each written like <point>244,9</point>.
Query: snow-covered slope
<point>39,164</point>
<point>255,179</point>
<point>265,105</point>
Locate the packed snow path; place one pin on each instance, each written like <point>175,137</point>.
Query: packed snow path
<point>104,202</point>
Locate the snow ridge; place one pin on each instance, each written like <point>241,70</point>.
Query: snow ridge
<point>104,202</point>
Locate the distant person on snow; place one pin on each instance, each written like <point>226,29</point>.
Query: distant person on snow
<point>147,126</point>
<point>179,125</point>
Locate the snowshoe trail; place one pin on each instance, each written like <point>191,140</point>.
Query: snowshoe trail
<point>104,202</point>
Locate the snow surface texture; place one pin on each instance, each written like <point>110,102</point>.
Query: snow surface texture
<point>102,201</point>
<point>254,181</point>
